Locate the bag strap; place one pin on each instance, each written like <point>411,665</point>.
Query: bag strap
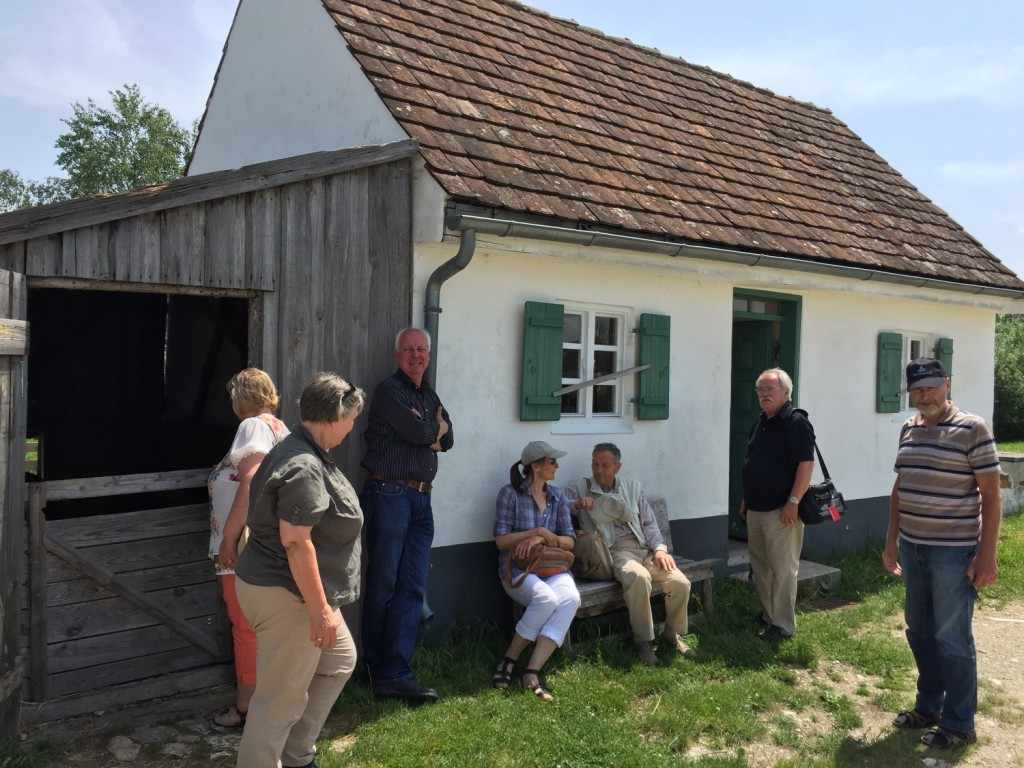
<point>824,469</point>
<point>817,451</point>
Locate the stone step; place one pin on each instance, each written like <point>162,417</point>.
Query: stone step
<point>810,576</point>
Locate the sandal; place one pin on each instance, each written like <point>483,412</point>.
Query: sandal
<point>218,718</point>
<point>943,738</point>
<point>539,688</point>
<point>502,677</point>
<point>911,718</point>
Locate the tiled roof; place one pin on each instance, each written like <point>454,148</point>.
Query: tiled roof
<point>519,111</point>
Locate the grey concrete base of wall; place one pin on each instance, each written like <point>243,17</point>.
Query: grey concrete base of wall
<point>464,586</point>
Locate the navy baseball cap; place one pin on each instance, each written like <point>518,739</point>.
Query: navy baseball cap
<point>926,372</point>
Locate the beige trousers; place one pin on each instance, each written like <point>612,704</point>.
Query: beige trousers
<point>775,559</point>
<point>296,683</point>
<point>636,570</point>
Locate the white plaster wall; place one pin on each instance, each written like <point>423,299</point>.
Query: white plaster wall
<point>287,86</point>
<point>837,377</point>
<point>684,459</point>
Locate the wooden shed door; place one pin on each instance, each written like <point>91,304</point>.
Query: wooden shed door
<point>13,349</point>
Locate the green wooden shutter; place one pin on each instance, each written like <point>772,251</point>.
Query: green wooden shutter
<point>652,385</point>
<point>542,362</point>
<point>890,361</point>
<point>944,352</point>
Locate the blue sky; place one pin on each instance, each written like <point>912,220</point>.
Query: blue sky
<point>936,87</point>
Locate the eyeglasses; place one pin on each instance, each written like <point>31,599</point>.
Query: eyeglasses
<point>765,390</point>
<point>549,460</point>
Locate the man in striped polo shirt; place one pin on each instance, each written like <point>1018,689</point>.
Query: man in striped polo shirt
<point>944,515</point>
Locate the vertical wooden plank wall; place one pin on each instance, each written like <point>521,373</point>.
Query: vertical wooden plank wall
<point>12,511</point>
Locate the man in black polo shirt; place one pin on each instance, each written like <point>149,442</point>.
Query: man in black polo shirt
<point>776,473</point>
<point>408,427</point>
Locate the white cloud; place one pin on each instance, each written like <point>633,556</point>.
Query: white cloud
<point>56,52</point>
<point>982,174</point>
<point>839,70</point>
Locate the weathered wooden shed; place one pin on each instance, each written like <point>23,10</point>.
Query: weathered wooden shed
<point>129,313</point>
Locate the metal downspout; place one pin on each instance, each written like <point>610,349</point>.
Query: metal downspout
<point>432,298</point>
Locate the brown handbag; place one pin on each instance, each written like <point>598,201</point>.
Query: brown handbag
<point>542,561</point>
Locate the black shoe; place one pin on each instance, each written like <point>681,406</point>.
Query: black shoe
<point>772,635</point>
<point>409,690</point>
<point>310,764</point>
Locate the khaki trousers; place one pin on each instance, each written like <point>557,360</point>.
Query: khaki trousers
<point>635,569</point>
<point>775,559</point>
<point>296,683</point>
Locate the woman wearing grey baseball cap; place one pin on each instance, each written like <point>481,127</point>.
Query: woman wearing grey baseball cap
<point>530,511</point>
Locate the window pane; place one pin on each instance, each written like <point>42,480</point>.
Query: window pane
<point>606,330</point>
<point>571,402</point>
<point>739,305</point>
<point>604,399</point>
<point>571,333</point>
<point>570,364</point>
<point>604,363</point>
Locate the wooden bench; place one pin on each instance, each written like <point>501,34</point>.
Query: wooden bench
<point>599,597</point>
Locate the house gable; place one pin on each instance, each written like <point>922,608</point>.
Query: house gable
<point>285,87</point>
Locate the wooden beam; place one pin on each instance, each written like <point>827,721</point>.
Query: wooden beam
<point>120,586</point>
<point>13,336</point>
<point>118,485</point>
<point>37,592</point>
<point>60,217</point>
<point>79,284</point>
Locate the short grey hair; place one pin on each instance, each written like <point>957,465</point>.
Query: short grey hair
<point>611,448</point>
<point>783,378</point>
<point>328,397</point>
<point>401,333</point>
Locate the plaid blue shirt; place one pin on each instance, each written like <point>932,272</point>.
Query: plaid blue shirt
<point>517,511</point>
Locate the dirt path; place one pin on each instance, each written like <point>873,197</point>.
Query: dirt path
<point>150,741</point>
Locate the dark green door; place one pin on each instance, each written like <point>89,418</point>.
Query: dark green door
<point>751,354</point>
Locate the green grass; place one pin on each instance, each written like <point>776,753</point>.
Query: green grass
<point>739,697</point>
<point>610,712</point>
<point>1011,446</point>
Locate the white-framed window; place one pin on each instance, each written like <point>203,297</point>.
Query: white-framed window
<point>594,342</point>
<point>915,344</point>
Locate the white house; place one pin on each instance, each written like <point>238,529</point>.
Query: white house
<point>616,207</point>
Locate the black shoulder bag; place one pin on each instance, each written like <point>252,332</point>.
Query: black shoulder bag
<point>822,502</point>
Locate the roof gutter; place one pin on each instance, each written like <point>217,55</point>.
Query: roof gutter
<point>460,222</point>
<point>432,297</point>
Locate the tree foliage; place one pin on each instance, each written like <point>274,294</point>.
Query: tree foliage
<point>1008,420</point>
<point>134,144</point>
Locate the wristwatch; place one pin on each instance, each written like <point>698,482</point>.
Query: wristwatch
<point>794,500</point>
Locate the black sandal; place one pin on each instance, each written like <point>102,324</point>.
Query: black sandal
<point>225,713</point>
<point>911,718</point>
<point>539,688</point>
<point>502,677</point>
<point>943,738</point>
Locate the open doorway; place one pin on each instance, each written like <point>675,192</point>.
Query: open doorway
<point>765,334</point>
<point>122,383</point>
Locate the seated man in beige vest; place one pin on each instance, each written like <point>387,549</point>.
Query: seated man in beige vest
<point>617,508</point>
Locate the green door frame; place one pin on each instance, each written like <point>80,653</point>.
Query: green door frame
<point>789,319</point>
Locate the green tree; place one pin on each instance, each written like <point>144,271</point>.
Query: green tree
<point>134,144</point>
<point>1008,419</point>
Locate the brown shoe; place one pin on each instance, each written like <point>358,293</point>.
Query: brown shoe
<point>682,647</point>
<point>645,654</point>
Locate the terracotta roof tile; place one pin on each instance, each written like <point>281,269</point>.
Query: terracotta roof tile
<point>520,111</point>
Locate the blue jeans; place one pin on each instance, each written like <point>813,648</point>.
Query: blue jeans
<point>939,610</point>
<point>399,527</point>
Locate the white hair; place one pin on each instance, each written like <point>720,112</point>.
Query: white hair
<point>781,376</point>
<point>401,333</point>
